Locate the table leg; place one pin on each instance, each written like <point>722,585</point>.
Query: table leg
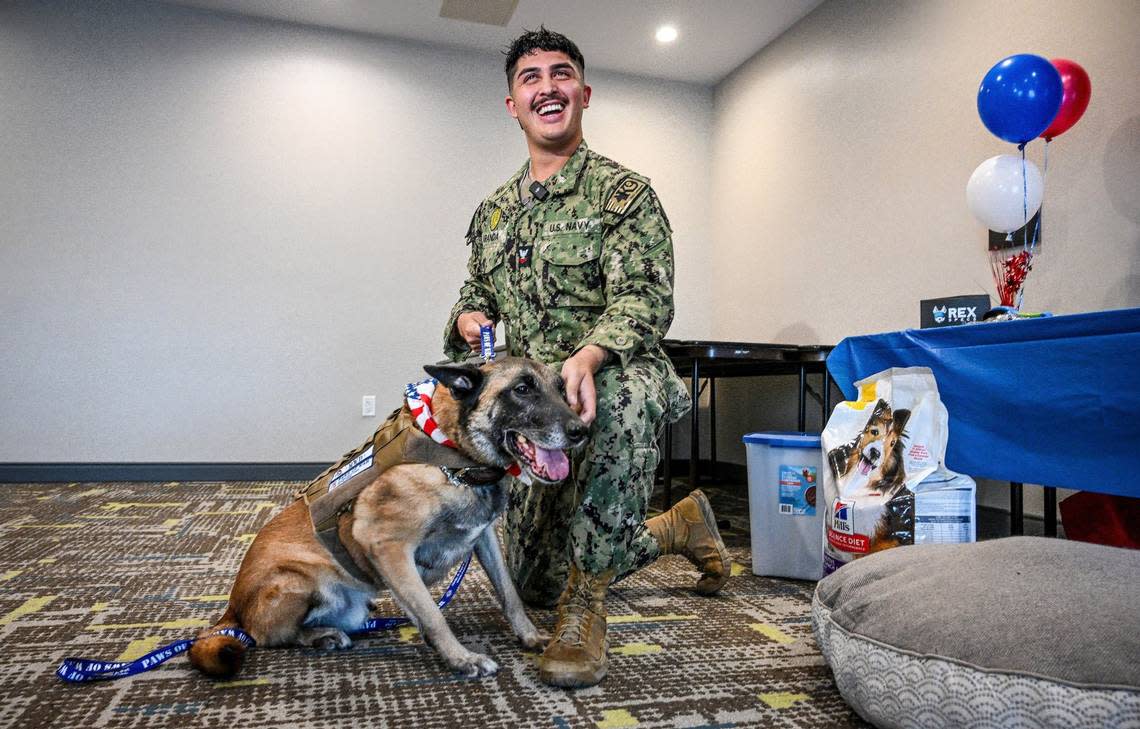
<point>1016,509</point>
<point>803,399</point>
<point>667,473</point>
<point>826,398</point>
<point>695,423</point>
<point>1050,511</point>
<point>712,427</point>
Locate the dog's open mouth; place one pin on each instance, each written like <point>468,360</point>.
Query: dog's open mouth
<point>867,460</point>
<point>545,464</point>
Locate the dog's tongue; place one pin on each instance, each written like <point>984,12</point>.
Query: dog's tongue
<point>555,462</point>
<point>864,467</point>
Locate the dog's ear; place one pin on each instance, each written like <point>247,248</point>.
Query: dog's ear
<point>901,416</point>
<point>463,380</point>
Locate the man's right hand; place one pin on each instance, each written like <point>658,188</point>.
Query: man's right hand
<point>468,325</point>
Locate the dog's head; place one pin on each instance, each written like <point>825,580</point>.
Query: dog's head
<point>870,445</point>
<point>509,411</point>
<point>890,472</point>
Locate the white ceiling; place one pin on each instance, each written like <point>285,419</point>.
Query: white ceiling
<point>716,36</point>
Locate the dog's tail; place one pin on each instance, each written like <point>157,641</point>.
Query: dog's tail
<point>218,656</point>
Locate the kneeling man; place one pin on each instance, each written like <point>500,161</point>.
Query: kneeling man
<point>574,255</point>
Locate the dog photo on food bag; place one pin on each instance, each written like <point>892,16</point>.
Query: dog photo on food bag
<point>400,512</point>
<point>872,464</point>
<point>875,454</point>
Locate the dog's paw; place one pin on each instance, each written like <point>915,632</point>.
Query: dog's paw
<point>325,639</point>
<point>475,665</point>
<point>534,639</point>
<point>333,643</point>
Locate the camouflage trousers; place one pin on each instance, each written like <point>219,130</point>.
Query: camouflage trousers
<point>596,518</point>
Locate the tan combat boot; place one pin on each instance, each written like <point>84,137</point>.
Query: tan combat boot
<point>576,657</point>
<point>689,529</point>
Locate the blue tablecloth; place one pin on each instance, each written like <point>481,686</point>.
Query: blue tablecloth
<point>1052,401</point>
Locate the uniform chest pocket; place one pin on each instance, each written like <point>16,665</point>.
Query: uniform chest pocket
<point>571,271</point>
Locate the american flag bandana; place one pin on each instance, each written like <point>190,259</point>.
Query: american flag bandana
<point>418,395</point>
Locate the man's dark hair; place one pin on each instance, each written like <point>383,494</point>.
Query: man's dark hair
<point>540,40</point>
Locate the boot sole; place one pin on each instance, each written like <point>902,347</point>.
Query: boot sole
<point>710,523</point>
<point>570,675</point>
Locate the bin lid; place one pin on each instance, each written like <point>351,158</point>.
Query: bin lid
<point>784,440</point>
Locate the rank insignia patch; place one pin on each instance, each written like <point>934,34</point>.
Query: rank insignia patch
<point>496,217</point>
<point>624,195</point>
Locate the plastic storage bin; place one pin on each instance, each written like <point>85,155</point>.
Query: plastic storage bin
<point>785,488</point>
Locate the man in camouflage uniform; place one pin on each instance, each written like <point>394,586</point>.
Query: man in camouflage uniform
<point>574,255</point>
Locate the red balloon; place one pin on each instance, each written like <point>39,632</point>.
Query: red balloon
<point>1074,99</point>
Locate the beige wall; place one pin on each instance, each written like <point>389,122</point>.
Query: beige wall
<point>218,233</point>
<point>842,152</point>
<point>206,222</point>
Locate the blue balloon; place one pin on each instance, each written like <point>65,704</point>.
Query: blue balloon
<point>1019,97</point>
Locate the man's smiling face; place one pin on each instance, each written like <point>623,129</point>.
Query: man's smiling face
<point>548,94</point>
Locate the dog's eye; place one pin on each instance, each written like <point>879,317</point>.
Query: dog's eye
<point>874,431</point>
<point>522,389</point>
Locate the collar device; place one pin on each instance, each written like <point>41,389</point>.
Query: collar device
<point>539,192</point>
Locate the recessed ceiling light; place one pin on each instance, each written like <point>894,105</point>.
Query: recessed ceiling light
<point>666,34</point>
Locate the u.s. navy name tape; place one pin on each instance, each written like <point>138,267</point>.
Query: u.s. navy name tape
<point>82,670</point>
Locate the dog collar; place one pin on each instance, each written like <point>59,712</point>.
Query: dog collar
<point>418,396</point>
<point>473,477</point>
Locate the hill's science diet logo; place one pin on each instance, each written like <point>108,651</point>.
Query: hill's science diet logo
<point>841,514</point>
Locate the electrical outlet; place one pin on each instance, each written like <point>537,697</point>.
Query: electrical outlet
<point>368,406</point>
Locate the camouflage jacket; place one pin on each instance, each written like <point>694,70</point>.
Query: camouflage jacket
<point>592,263</point>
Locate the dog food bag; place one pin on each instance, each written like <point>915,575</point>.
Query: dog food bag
<point>884,484</point>
<point>945,508</point>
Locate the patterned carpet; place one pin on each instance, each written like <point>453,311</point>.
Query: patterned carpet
<point>112,570</point>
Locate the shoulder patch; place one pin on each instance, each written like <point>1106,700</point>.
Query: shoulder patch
<point>471,228</point>
<point>625,194</point>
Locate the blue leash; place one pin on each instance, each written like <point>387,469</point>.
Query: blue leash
<point>80,670</point>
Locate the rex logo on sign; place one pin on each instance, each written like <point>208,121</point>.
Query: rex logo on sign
<point>955,314</point>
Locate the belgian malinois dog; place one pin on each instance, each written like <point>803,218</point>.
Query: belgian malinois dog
<point>408,527</point>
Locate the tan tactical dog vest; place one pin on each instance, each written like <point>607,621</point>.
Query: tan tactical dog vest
<point>396,441</point>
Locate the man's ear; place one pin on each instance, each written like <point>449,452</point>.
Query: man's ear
<point>463,380</point>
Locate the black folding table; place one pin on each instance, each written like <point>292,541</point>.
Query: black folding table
<point>712,360</point>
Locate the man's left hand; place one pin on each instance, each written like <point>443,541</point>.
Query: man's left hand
<point>578,374</point>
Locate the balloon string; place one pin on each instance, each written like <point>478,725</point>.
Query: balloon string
<point>1040,212</point>
<point>1024,200</point>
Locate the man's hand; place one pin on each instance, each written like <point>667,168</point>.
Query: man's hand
<point>468,325</point>
<point>578,374</point>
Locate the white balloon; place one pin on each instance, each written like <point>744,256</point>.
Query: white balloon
<point>995,193</point>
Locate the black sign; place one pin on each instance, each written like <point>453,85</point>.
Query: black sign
<point>953,310</point>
